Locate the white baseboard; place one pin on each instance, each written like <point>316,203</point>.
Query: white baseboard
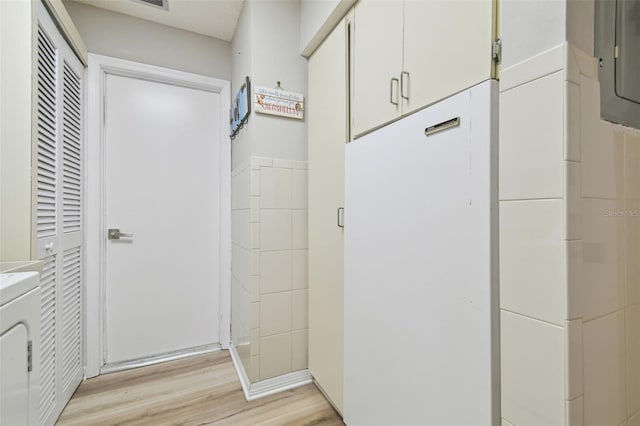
<point>270,386</point>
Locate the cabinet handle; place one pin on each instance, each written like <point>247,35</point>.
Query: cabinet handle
<point>402,85</point>
<point>391,91</point>
<point>340,217</point>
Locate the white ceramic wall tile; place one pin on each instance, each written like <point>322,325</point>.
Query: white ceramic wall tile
<point>275,313</point>
<point>299,189</point>
<point>255,235</point>
<point>572,122</point>
<point>531,140</point>
<point>571,67</point>
<point>574,359</point>
<point>604,370</point>
<point>275,271</point>
<point>603,257</point>
<point>255,315</point>
<point>275,188</point>
<point>632,329</point>
<point>632,165</point>
<point>284,164</point>
<point>240,263</point>
<point>300,233</point>
<point>533,259</point>
<point>275,355</point>
<point>302,165</point>
<point>574,279</point>
<point>275,229</point>
<point>299,350</point>
<point>255,209</point>
<point>254,288</point>
<point>575,415</point>
<point>240,190</point>
<point>241,228</point>
<point>586,63</point>
<point>300,266</point>
<point>243,353</point>
<point>632,251</point>
<point>300,317</point>
<point>572,199</point>
<point>255,342</point>
<point>243,313</point>
<point>533,371</point>
<point>540,63</point>
<point>255,262</point>
<point>257,162</point>
<point>255,182</point>
<point>255,369</point>
<point>602,153</point>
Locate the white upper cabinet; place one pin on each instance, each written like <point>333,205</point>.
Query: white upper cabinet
<point>415,53</point>
<point>447,48</point>
<point>377,63</point>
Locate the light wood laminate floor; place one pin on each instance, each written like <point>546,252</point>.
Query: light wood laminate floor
<point>202,390</point>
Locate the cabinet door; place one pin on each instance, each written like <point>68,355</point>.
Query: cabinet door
<point>328,124</point>
<point>377,60</point>
<point>447,48</point>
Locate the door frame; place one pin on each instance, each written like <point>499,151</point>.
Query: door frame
<point>95,244</point>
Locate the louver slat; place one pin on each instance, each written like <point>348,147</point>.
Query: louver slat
<point>71,152</point>
<point>71,314</point>
<point>47,140</point>
<point>48,338</point>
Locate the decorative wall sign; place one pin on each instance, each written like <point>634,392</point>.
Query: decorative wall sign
<point>278,102</point>
<point>240,108</point>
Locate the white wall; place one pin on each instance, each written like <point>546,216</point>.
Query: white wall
<point>121,36</point>
<point>269,56</point>
<point>15,129</point>
<point>242,66</point>
<point>276,58</point>
<point>317,19</point>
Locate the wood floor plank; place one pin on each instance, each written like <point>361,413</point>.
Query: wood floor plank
<point>202,390</point>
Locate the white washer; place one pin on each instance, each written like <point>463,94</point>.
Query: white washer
<point>19,330</point>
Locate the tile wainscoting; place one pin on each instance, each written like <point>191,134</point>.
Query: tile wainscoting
<point>269,267</point>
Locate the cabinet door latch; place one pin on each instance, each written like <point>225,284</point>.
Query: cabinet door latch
<point>496,51</point>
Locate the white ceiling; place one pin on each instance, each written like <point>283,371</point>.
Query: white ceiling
<point>214,18</point>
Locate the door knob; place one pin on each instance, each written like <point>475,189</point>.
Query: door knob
<point>115,234</point>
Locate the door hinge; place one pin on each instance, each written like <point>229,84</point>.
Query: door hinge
<point>496,51</point>
<point>616,52</point>
<point>29,356</point>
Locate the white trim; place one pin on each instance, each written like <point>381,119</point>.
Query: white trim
<point>242,374</point>
<point>271,386</point>
<point>169,356</point>
<point>99,66</point>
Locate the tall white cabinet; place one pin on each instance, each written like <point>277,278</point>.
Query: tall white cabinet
<point>57,213</point>
<point>328,134</point>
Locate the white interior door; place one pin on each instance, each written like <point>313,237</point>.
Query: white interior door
<point>162,178</point>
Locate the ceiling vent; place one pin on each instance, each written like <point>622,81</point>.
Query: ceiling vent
<point>160,4</point>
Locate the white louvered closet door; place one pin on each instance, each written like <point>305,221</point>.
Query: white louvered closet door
<point>58,222</point>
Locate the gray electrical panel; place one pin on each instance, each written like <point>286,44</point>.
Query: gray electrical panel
<point>617,45</point>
